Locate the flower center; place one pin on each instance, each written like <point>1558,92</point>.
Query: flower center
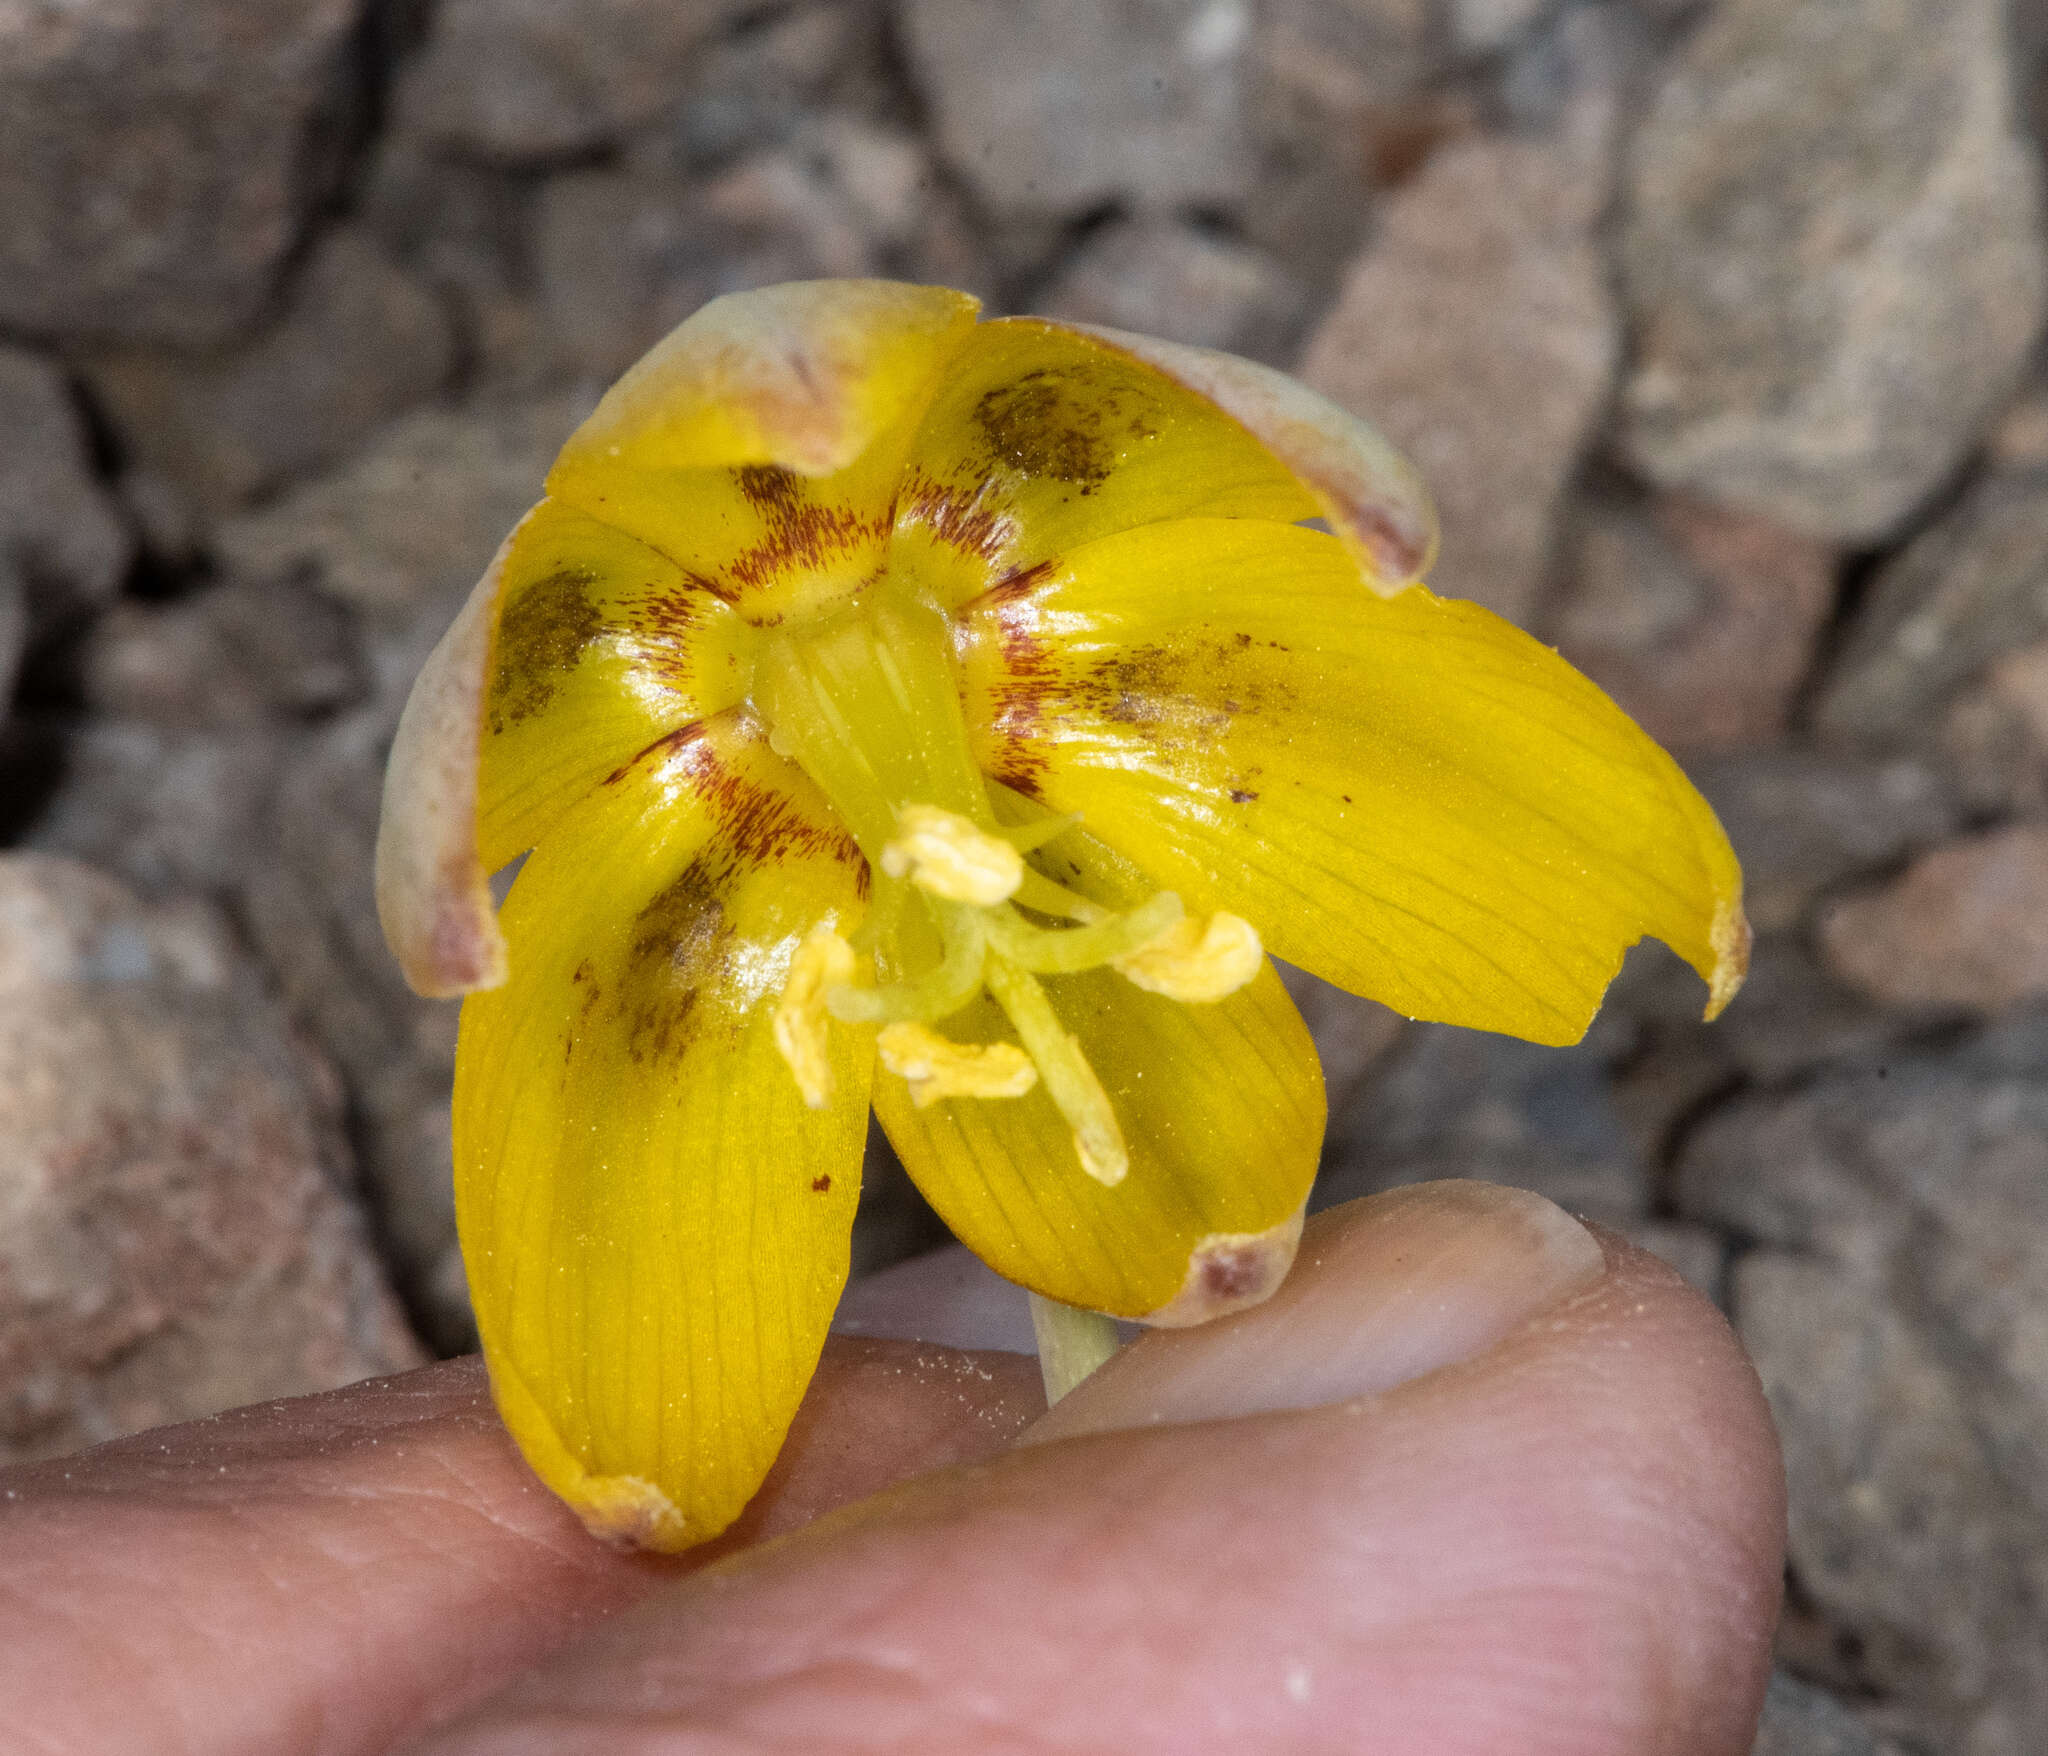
<point>866,704</point>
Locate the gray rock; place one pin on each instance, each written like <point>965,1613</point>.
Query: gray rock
<point>357,342</point>
<point>1483,291</point>
<point>1804,821</point>
<point>223,656</point>
<point>1352,1034</point>
<point>463,229</point>
<point>1832,258</point>
<point>168,808</point>
<point>528,80</point>
<point>1482,25</point>
<point>1698,1253</point>
<point>1800,1720</point>
<point>309,903</point>
<point>1162,277</point>
<point>13,632</point>
<point>1995,734</point>
<point>1965,926</point>
<point>158,157</point>
<point>416,517</point>
<point>1897,1305</point>
<point>1056,106</point>
<point>1448,1102</point>
<point>1793,1016</point>
<point>625,256</point>
<point>756,89</point>
<point>1344,103</point>
<point>1971,586</point>
<point>62,539</point>
<point>179,1235</point>
<point>1700,621</point>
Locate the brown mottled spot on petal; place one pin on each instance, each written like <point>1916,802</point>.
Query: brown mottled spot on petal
<point>1072,423</point>
<point>682,942</point>
<point>821,1185</point>
<point>542,635</point>
<point>1185,692</point>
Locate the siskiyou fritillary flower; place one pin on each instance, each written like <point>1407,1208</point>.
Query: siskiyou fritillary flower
<point>949,716</point>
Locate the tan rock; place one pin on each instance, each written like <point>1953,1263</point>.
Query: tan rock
<point>1700,621</point>
<point>176,1231</point>
<point>1477,333</point>
<point>1965,926</point>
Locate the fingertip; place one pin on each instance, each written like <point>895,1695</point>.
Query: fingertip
<point>1384,1290</point>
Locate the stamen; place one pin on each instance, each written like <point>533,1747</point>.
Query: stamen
<point>1195,961</point>
<point>1069,1081</point>
<point>945,990</point>
<point>948,856</point>
<point>1058,951</point>
<point>822,962</point>
<point>936,1068</point>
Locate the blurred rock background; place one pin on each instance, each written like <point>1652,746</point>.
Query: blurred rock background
<point>1715,324</point>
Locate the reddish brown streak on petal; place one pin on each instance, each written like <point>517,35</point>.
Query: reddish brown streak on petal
<point>759,823</point>
<point>1030,675</point>
<point>802,535</point>
<point>954,516</point>
<point>662,622</point>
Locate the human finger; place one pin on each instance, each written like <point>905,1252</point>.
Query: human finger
<point>1474,1482</point>
<point>327,1572</point>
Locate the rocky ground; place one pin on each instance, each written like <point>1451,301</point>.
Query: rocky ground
<point>1714,324</point>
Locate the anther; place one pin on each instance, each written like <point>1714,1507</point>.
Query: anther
<point>947,855</point>
<point>935,1067</point>
<point>1194,960</point>
<point>822,962</point>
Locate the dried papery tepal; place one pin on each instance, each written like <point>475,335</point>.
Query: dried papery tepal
<point>948,716</point>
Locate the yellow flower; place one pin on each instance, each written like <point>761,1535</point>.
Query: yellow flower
<point>839,604</point>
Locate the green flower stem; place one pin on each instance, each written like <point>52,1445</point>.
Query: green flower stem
<point>1071,1343</point>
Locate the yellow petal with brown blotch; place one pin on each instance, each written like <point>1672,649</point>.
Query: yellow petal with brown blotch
<point>576,650</point>
<point>1221,1108</point>
<point>1042,438</point>
<point>1370,493</point>
<point>760,444</point>
<point>602,647</point>
<point>1405,795</point>
<point>654,1224</point>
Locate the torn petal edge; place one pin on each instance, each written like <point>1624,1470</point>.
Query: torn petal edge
<point>1373,496</point>
<point>1230,1271</point>
<point>433,895</point>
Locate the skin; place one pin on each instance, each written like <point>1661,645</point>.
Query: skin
<point>1475,1480</point>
